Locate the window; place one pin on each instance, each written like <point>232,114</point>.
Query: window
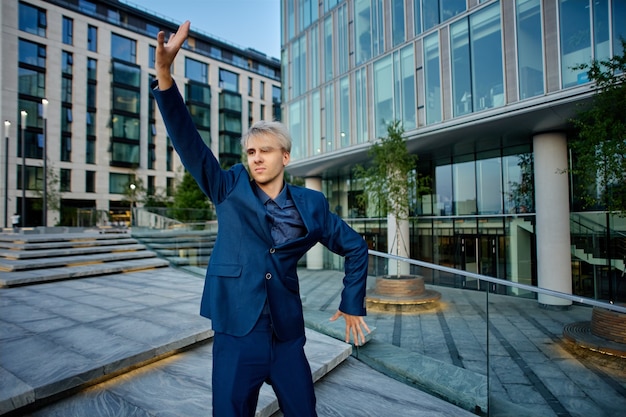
<point>432,76</point>
<point>417,16</point>
<point>262,90</point>
<point>345,136</point>
<point>129,75</point>
<point>198,93</point>
<point>34,177</point>
<point>126,127</point>
<point>31,71</point>
<point>151,188</point>
<point>90,152</point>
<point>65,180</point>
<point>299,67</point>
<point>32,54</point>
<point>92,38</point>
<point>487,61</point>
<point>125,100</point>
<point>32,19</point>
<point>151,56</point>
<point>329,113</point>
<point>394,90</point>
<point>91,95</point>
<point>328,48</point>
<point>362,30</point>
<point>313,57</point>
<point>343,49</point>
<point>461,73</point>
<point>360,108</point>
<point>123,48</point>
<point>68,31</point>
<point>529,48</point>
<point>575,40</point>
<point>66,90</point>
<point>250,86</point>
<point>67,63</point>
<point>397,25</point>
<point>90,181</point>
<point>477,74</point>
<point>229,80</point>
<point>92,69</point>
<point>118,183</point>
<point>196,70</point>
<point>276,100</point>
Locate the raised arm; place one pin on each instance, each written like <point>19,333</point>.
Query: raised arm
<point>166,52</point>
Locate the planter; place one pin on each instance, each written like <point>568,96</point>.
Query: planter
<point>406,292</point>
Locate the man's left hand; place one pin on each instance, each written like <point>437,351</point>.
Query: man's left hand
<point>355,325</point>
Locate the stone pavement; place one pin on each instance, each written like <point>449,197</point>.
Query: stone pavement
<point>60,336</point>
<point>133,344</point>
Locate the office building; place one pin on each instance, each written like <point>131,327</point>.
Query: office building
<point>485,91</point>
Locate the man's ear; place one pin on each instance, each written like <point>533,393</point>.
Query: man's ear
<point>286,158</point>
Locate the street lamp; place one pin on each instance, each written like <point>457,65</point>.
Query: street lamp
<point>132,201</point>
<point>7,126</point>
<point>24,114</point>
<point>44,206</point>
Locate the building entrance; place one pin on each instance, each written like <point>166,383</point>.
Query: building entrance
<point>479,254</point>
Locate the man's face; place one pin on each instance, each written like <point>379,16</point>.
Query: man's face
<point>266,160</point>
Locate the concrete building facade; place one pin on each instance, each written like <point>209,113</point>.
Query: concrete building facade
<point>81,70</point>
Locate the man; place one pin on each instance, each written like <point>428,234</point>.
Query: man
<point>251,291</point>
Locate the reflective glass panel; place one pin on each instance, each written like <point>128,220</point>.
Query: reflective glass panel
<point>432,76</point>
<point>487,73</point>
<point>529,48</point>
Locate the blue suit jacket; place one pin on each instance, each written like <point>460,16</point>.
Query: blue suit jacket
<point>245,267</point>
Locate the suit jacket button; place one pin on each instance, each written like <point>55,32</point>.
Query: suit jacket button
<point>268,276</point>
<point>272,250</point>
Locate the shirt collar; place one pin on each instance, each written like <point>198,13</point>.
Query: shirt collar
<point>280,200</point>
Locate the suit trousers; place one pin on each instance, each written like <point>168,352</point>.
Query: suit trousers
<point>242,364</point>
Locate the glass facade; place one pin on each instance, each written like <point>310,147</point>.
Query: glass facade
<point>462,78</point>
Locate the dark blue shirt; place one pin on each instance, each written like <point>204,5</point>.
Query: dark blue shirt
<point>285,221</point>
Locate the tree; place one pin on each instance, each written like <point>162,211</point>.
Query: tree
<point>600,146</point>
<point>387,183</point>
<point>53,192</point>
<point>189,196</point>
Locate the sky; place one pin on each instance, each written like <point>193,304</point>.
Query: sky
<point>243,23</point>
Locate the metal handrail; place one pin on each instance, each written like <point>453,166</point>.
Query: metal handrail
<point>539,290</point>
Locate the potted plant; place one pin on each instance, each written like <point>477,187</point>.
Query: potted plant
<point>389,181</point>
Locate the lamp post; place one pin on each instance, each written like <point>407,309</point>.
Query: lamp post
<point>132,201</point>
<point>44,205</point>
<point>24,114</point>
<point>7,126</point>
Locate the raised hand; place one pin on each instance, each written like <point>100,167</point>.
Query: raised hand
<point>166,53</point>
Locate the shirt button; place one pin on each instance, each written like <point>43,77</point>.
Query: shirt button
<point>268,276</point>
<point>272,250</point>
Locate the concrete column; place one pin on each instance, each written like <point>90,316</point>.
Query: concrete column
<point>554,270</point>
<point>315,255</point>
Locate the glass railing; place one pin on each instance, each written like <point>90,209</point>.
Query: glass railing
<point>497,354</point>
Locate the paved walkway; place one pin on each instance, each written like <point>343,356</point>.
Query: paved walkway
<point>56,336</point>
<point>532,370</point>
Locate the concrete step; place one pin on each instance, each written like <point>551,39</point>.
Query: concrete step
<point>69,251</point>
<point>70,243</point>
<point>39,276</point>
<point>10,265</point>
